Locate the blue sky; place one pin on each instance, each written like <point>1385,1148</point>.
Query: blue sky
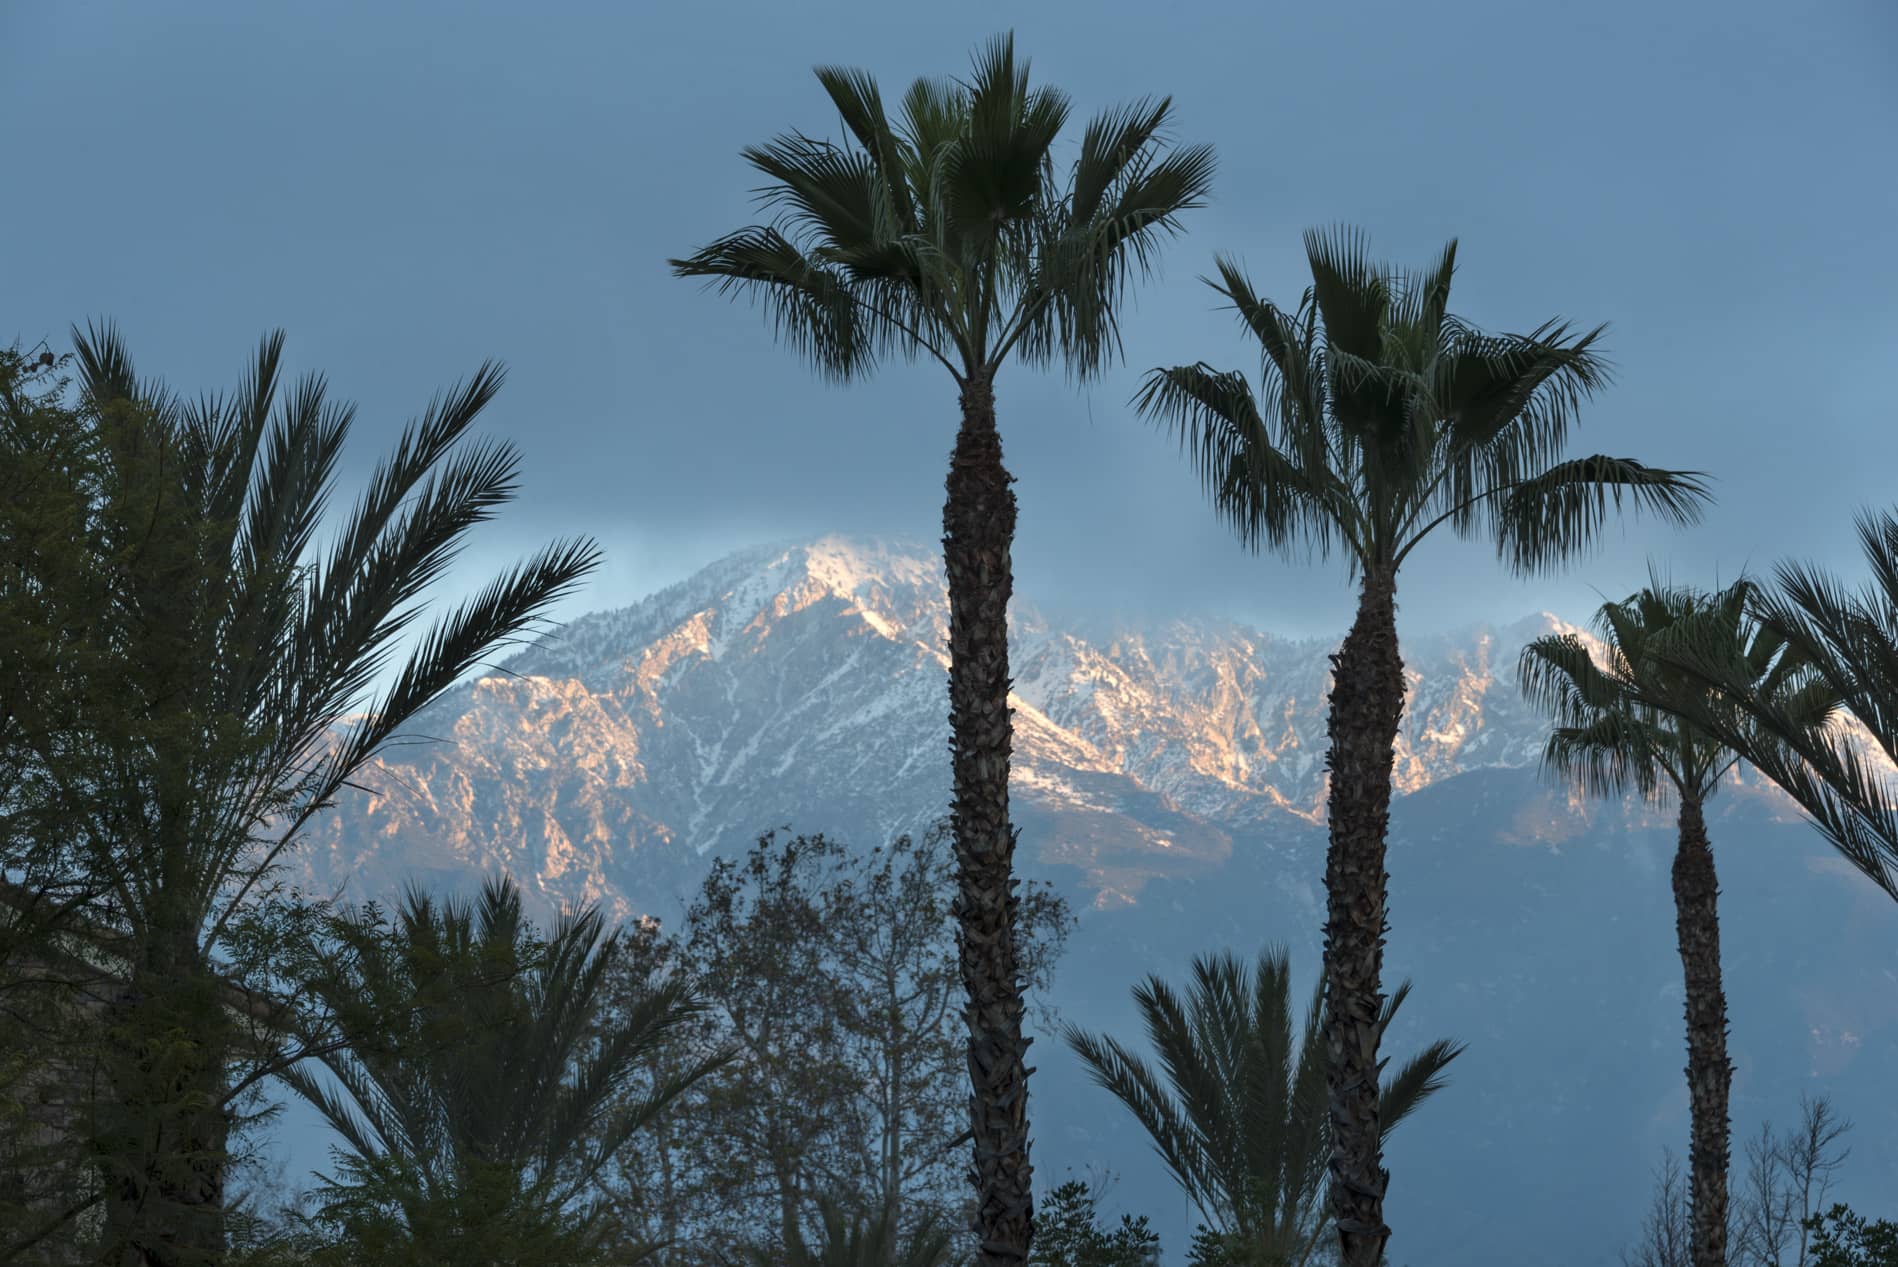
<point>408,189</point>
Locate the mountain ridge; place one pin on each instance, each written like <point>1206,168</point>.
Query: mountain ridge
<point>802,684</point>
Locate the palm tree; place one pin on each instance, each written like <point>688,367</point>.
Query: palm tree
<point>1610,737</point>
<point>1382,418</point>
<point>1240,1116</point>
<point>236,675</point>
<point>1850,639</point>
<point>944,233</point>
<point>476,1083</point>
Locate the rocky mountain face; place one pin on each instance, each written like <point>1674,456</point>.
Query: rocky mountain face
<point>804,686</point>
<point>1171,779</point>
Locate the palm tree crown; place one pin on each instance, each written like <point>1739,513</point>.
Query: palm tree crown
<point>1849,637</point>
<point>476,1092</point>
<point>1381,417</point>
<point>945,232</point>
<point>1614,730</point>
<point>263,649</point>
<point>1237,1109</point>
<point>210,672</point>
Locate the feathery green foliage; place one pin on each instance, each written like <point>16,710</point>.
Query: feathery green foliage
<point>479,1087</point>
<point>1237,1107</point>
<point>1844,1238</point>
<point>207,678</point>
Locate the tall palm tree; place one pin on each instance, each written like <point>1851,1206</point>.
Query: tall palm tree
<point>1850,638</point>
<point>1381,419</point>
<point>1240,1114</point>
<point>236,675</point>
<point>945,233</point>
<point>1610,737</point>
<point>476,1081</point>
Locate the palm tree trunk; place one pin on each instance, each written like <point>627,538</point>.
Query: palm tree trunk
<point>978,521</point>
<point>1367,702</point>
<point>1709,1072</point>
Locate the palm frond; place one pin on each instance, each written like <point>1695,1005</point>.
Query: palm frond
<point>1114,141</point>
<point>1419,1078</point>
<point>1652,716</point>
<point>1000,166</point>
<point>1831,651</point>
<point>473,1043</point>
<point>1133,1082</point>
<point>1353,295</point>
<point>1238,1115</point>
<point>825,192</point>
<point>812,307</point>
<point>946,231</point>
<point>1104,241</point>
<point>1265,495</point>
<point>1549,517</point>
<point>1558,675</point>
<point>859,103</point>
<point>105,369</point>
<point>1409,418</point>
<point>1528,386</point>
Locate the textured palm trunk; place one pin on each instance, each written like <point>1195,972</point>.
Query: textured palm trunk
<point>978,521</point>
<point>1709,1072</point>
<point>1367,702</point>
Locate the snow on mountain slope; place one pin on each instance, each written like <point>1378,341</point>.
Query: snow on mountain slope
<point>803,685</point>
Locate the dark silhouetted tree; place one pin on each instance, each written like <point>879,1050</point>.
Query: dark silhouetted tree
<point>945,231</point>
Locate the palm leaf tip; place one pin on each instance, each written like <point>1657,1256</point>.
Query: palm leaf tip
<point>1550,517</point>
<point>1420,1078</point>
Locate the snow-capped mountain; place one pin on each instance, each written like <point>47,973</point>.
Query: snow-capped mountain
<point>804,685</point>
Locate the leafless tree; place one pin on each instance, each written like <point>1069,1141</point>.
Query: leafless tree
<point>1666,1233</point>
<point>1789,1176</point>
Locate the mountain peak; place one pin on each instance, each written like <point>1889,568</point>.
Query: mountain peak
<point>889,584</point>
<point>848,564</point>
<point>1543,623</point>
